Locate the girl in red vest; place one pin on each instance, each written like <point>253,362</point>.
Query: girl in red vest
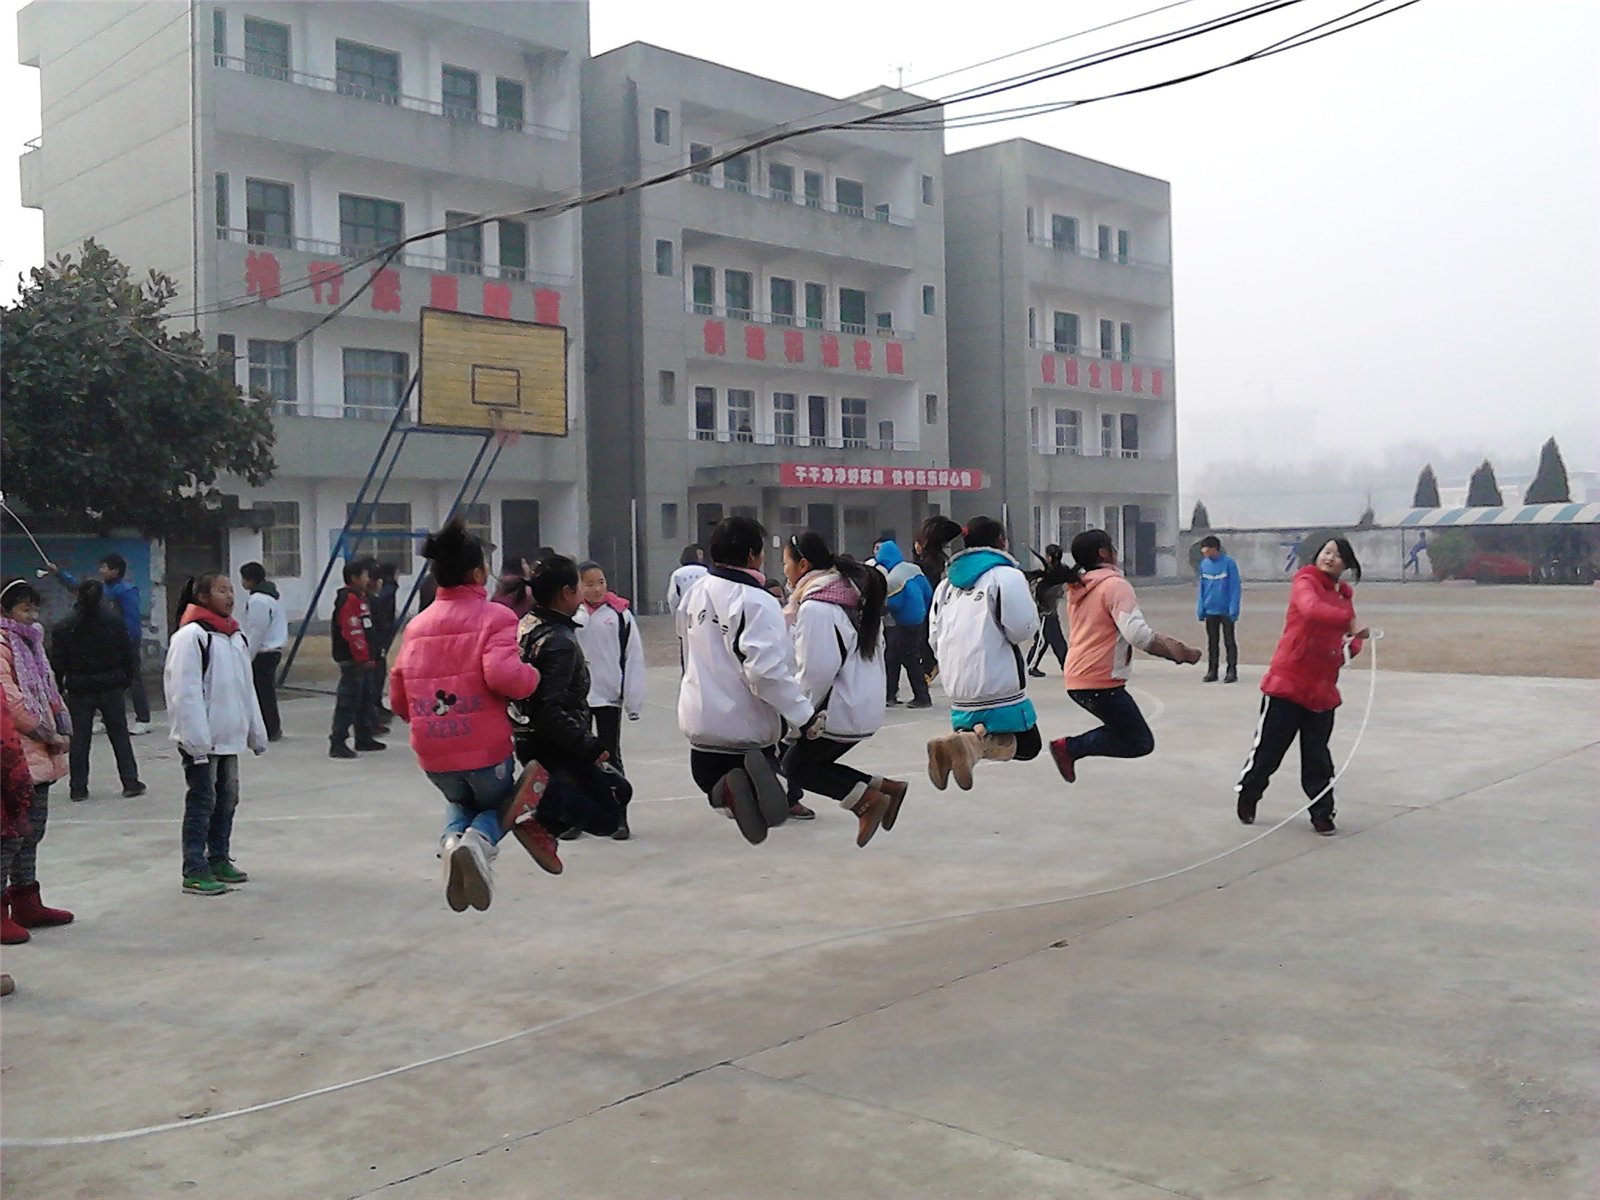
<point>1300,692</point>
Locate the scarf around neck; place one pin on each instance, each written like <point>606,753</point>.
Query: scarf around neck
<point>201,615</point>
<point>35,679</point>
<point>828,586</point>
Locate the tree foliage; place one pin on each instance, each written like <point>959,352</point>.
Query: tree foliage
<point>1201,518</point>
<point>1449,552</point>
<point>1427,493</point>
<point>1549,484</point>
<point>1483,491</point>
<point>111,419</point>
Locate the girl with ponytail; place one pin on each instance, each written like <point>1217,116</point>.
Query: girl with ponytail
<point>836,613</point>
<point>1106,625</point>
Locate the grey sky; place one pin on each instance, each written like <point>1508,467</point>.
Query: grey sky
<point>1389,237</point>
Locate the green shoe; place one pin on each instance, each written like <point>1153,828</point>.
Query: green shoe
<point>226,873</point>
<point>203,885</point>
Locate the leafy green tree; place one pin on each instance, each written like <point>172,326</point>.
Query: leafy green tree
<point>1201,518</point>
<point>1483,490</point>
<point>1427,493</point>
<point>1549,484</point>
<point>111,419</point>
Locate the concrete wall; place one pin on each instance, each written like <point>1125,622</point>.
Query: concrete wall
<point>1265,554</point>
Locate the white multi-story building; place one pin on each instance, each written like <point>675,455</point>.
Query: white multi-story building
<point>766,335</point>
<point>1061,350</point>
<point>256,152</point>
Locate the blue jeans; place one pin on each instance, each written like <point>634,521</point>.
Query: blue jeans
<point>208,810</point>
<point>1123,734</point>
<point>474,798</point>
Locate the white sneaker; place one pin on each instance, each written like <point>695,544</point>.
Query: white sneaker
<point>139,728</point>
<point>476,854</point>
<point>454,895</point>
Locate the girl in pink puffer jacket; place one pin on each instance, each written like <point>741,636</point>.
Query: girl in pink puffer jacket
<point>451,681</point>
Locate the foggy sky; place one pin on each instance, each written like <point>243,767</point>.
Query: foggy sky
<point>1389,237</point>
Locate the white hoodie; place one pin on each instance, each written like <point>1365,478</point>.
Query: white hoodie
<point>264,623</point>
<point>833,674</point>
<point>680,581</point>
<point>978,632</point>
<point>616,675</point>
<point>211,698</point>
<point>739,681</point>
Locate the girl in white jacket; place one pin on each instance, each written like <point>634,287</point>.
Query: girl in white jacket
<point>836,610</point>
<point>215,717</point>
<point>983,617</point>
<point>739,685</point>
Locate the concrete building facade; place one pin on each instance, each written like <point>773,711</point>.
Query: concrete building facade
<point>766,335</point>
<point>1061,353</point>
<point>277,145</point>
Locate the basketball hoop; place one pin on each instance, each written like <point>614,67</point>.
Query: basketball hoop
<point>504,435</point>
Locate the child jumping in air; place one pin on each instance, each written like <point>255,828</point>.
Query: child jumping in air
<point>983,618</point>
<point>739,685</point>
<point>451,682</point>
<point>1106,626</point>
<point>836,610</point>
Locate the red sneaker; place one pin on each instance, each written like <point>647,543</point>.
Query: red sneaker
<point>520,818</point>
<point>1063,757</point>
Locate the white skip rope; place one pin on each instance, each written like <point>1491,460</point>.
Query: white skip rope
<point>123,1135</point>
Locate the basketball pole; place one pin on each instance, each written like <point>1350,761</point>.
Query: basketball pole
<point>494,435</point>
<point>364,510</point>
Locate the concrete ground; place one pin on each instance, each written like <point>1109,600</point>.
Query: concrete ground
<point>1407,1010</point>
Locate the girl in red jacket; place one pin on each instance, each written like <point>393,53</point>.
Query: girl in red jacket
<point>1300,692</point>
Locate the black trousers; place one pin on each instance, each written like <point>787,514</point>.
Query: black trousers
<point>709,766</point>
<point>580,795</point>
<point>902,644</point>
<point>352,703</point>
<point>113,709</point>
<point>812,765</point>
<point>1049,637</point>
<point>1281,721</point>
<point>608,731</point>
<point>1123,732</point>
<point>1223,626</point>
<point>264,672</point>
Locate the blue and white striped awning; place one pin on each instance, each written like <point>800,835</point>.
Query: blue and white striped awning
<point>1526,514</point>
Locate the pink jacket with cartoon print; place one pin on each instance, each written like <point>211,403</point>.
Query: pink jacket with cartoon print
<point>458,668</point>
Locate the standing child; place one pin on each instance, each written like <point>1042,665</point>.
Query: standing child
<point>123,596</point>
<point>836,608</point>
<point>609,638</point>
<point>1216,605</point>
<point>267,627</point>
<point>1300,691</point>
<point>739,684</point>
<point>350,631</point>
<point>90,653</point>
<point>1106,625</point>
<point>905,623</point>
<point>451,681</point>
<point>383,597</point>
<point>553,726</point>
<point>983,616</point>
<point>39,715</point>
<point>215,717</point>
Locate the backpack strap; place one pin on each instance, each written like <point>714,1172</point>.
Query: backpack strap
<point>624,635</point>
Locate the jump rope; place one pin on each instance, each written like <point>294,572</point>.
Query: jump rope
<point>123,1135</point>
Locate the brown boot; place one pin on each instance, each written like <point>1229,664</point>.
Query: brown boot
<point>896,790</point>
<point>997,747</point>
<point>869,811</point>
<point>966,752</point>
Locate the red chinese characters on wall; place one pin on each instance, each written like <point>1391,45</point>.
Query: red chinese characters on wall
<point>386,291</point>
<point>1047,369</point>
<point>1115,376</point>
<point>794,346</point>
<point>547,306</point>
<point>262,275</point>
<point>863,354</point>
<point>898,479</point>
<point>496,300</point>
<point>894,358</point>
<point>830,350</point>
<point>327,281</point>
<point>715,335</point>
<point>1155,383</point>
<point>444,291</point>
<point>755,343</point>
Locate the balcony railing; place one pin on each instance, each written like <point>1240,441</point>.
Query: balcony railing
<point>754,316</point>
<point>378,95</point>
<point>878,214</point>
<point>406,258</point>
<point>1102,353</point>
<point>1050,450</point>
<point>1082,251</point>
<point>800,440</point>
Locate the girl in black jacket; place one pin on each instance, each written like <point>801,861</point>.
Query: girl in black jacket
<point>95,664</point>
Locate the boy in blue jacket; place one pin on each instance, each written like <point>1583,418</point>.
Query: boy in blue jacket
<point>905,622</point>
<point>121,601</point>
<point>1217,605</point>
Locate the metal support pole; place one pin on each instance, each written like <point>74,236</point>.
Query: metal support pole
<point>416,584</point>
<point>344,530</point>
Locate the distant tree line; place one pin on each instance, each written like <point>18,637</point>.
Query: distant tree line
<point>1549,486</point>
